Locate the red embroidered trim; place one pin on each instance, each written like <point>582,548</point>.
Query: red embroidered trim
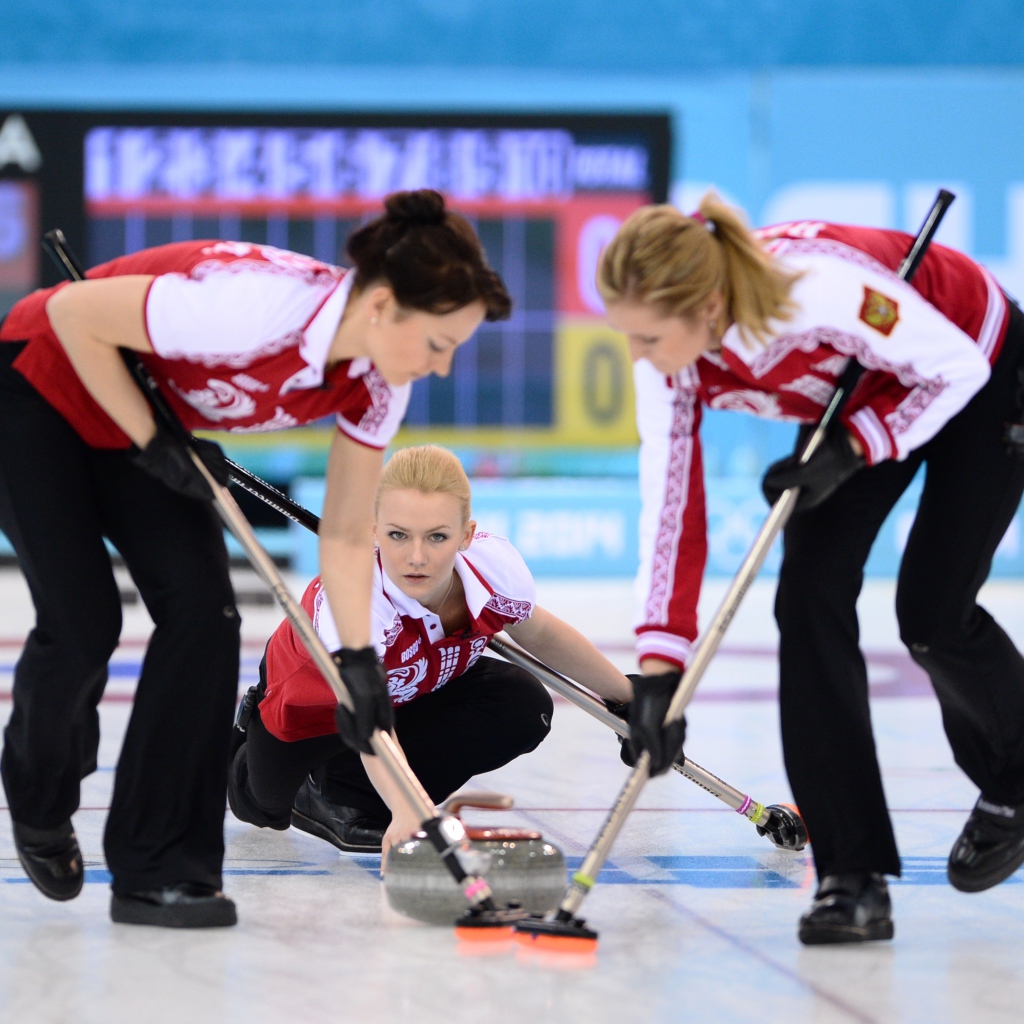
<point>380,399</point>
<point>509,607</point>
<point>670,525</point>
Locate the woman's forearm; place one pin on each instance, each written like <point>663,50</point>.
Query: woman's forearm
<point>383,783</point>
<point>346,537</point>
<point>92,319</point>
<point>102,371</point>
<point>404,820</point>
<point>346,568</point>
<point>568,651</point>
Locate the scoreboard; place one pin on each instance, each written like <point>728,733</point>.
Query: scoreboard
<point>545,193</point>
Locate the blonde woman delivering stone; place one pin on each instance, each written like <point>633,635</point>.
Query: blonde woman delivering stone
<point>441,591</point>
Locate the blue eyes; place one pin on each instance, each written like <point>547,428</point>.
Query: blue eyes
<point>397,535</point>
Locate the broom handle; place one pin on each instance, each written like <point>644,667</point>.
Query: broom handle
<point>586,701</point>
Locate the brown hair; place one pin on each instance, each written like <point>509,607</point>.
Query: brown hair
<point>429,469</point>
<point>429,256</point>
<point>677,262</point>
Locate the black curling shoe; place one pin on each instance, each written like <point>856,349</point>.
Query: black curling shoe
<point>241,801</point>
<point>990,847</point>
<point>183,905</point>
<point>348,828</point>
<point>51,859</point>
<point>851,907</point>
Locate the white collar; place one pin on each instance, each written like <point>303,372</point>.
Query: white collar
<point>477,595</point>
<point>318,335</point>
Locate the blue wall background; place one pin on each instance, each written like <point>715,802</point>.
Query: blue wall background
<point>851,110</point>
<point>595,35</point>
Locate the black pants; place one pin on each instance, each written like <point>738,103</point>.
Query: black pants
<point>58,499</point>
<point>476,723</point>
<point>972,488</point>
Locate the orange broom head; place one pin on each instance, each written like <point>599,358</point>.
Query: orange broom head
<point>484,950</point>
<point>495,933</point>
<point>558,943</point>
<point>558,960</point>
<point>571,936</point>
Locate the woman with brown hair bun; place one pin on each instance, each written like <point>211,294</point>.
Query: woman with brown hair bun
<point>238,337</point>
<point>765,322</point>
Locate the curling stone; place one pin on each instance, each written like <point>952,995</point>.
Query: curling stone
<point>523,868</point>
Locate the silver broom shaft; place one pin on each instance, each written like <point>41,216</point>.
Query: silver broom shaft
<point>586,701</point>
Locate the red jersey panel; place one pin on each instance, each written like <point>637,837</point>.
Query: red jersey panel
<point>408,637</point>
<point>240,335</point>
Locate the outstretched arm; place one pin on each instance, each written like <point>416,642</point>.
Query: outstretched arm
<point>567,651</point>
<point>404,820</point>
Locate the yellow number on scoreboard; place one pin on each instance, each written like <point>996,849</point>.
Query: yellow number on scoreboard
<point>593,386</point>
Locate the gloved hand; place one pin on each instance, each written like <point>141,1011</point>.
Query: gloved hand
<point>828,468</point>
<point>622,711</point>
<point>166,459</point>
<point>651,698</point>
<point>367,683</point>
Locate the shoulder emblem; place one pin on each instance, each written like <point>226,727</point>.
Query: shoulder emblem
<point>879,311</point>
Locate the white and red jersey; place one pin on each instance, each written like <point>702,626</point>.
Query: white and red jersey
<point>240,337</point>
<point>408,637</point>
<point>927,348</point>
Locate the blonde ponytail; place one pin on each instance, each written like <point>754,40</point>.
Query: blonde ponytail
<point>677,262</point>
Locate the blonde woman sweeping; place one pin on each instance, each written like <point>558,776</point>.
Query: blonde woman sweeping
<point>765,323</point>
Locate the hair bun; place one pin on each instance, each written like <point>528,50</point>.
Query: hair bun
<point>424,206</point>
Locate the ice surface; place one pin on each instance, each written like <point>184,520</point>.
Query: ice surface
<point>697,914</point>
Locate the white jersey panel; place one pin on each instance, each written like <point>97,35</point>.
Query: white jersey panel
<point>505,571</point>
<point>232,312</point>
<point>381,421</point>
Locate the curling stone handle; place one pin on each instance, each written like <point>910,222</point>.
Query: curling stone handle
<point>490,801</point>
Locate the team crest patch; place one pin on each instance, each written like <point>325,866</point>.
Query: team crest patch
<point>879,311</point>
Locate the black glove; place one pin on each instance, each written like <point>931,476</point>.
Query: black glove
<point>625,750</point>
<point>367,684</point>
<point>166,459</point>
<point>647,731</point>
<point>828,468</point>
